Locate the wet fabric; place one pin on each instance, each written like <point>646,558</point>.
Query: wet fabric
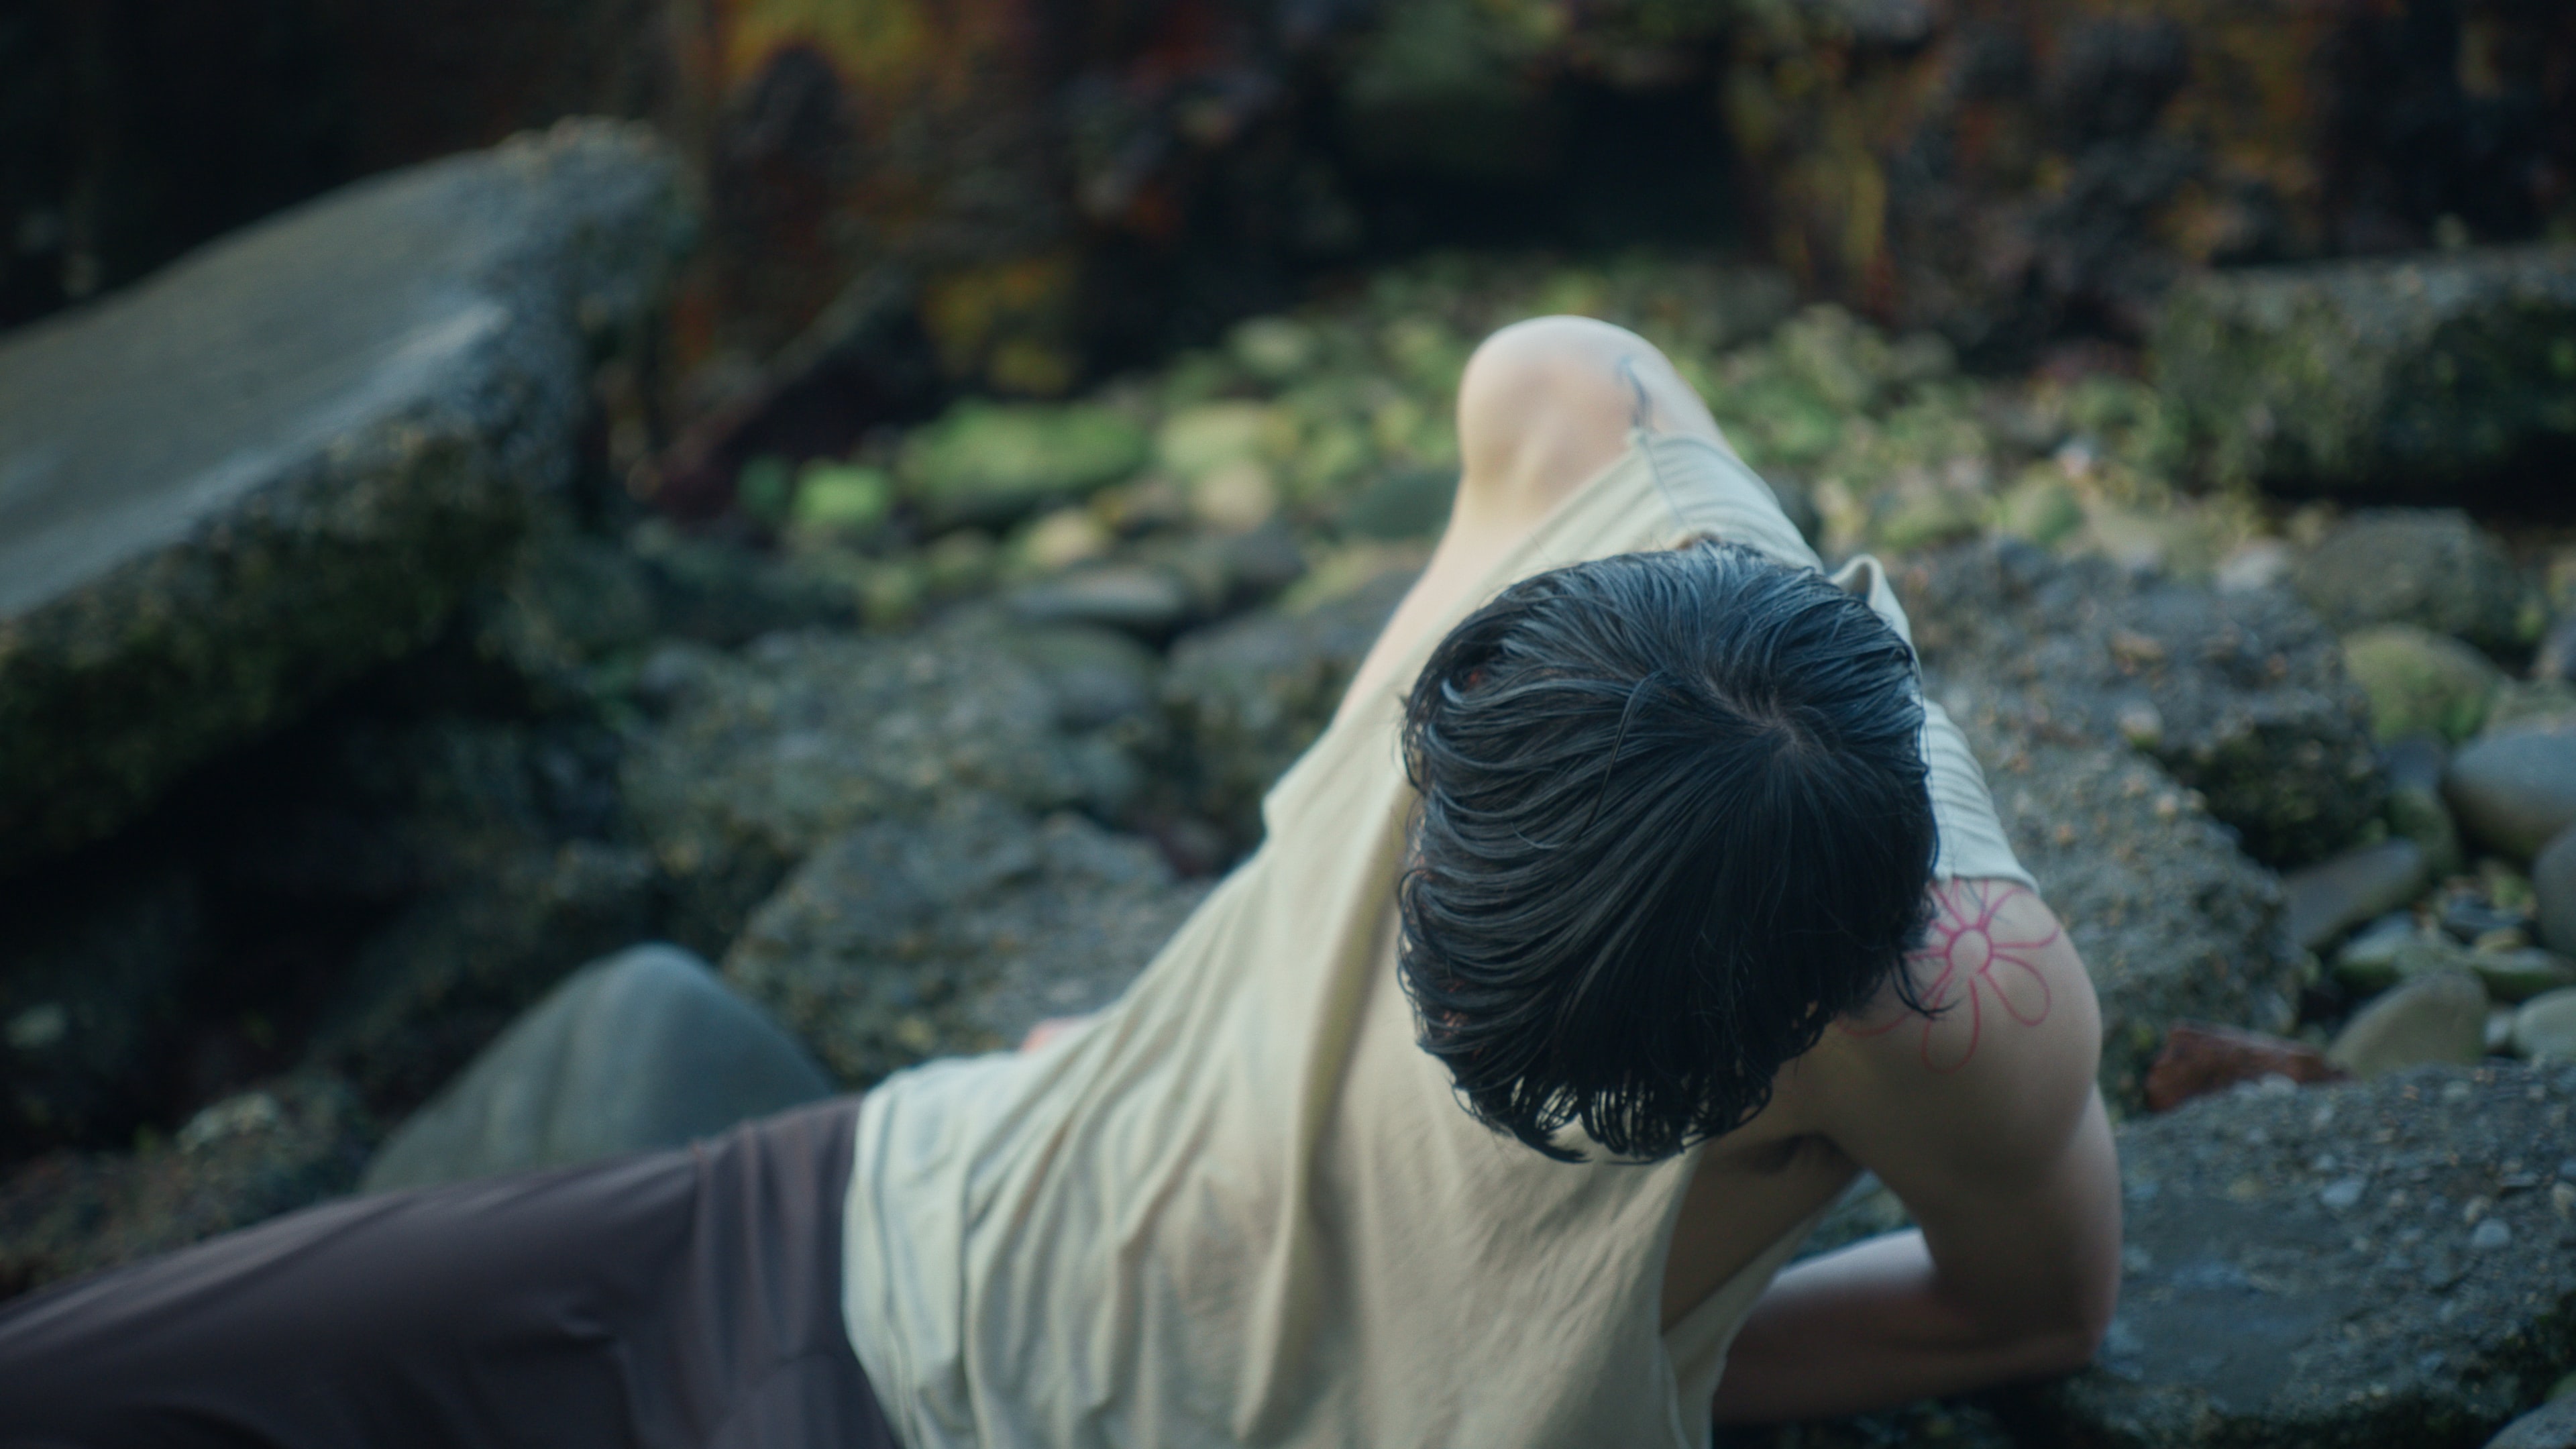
<point>672,1300</point>
<point>1243,1208</point>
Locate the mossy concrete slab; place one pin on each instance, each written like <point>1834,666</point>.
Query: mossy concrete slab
<point>2353,373</point>
<point>287,456</point>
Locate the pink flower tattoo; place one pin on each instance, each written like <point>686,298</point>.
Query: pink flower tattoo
<point>1969,964</point>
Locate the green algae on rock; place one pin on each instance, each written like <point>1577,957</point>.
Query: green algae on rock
<point>2420,682</point>
<point>2344,374</point>
<point>990,463</point>
<point>291,455</point>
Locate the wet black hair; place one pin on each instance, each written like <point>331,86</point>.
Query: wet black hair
<point>1673,822</point>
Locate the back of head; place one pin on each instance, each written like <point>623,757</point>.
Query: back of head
<point>1673,823</point>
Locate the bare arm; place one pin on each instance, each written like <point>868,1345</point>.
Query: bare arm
<point>1986,1122</point>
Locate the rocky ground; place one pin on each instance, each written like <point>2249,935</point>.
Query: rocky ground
<point>918,745</point>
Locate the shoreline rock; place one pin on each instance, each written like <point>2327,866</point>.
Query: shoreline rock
<point>290,455</point>
<point>2374,1265</point>
<point>2433,367</point>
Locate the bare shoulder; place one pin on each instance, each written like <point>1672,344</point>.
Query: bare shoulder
<point>1999,1067</point>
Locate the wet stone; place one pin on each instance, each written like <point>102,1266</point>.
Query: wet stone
<point>2430,567</point>
<point>2553,885</point>
<point>1147,602</point>
<point>2519,975</point>
<point>2302,1268</point>
<point>900,941</point>
<point>2545,1026</point>
<point>2329,898</point>
<point>2241,696</point>
<point>2551,1426</point>
<point>2555,656</point>
<point>2439,1017</point>
<point>2515,790</point>
<point>2416,811</point>
<point>2529,703</point>
<point>2391,949</point>
<point>645,1049</point>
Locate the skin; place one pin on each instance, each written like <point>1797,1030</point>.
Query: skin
<point>1984,1118</point>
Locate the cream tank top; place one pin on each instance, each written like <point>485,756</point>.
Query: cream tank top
<point>1243,1208</point>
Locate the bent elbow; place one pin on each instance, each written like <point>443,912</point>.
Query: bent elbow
<point>2070,1344</point>
<point>2069,1349</point>
<point>2063,1339</point>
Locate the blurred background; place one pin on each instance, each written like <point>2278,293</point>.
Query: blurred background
<point>870,492</point>
<point>1075,188</point>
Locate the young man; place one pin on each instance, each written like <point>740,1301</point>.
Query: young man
<point>1603,938</point>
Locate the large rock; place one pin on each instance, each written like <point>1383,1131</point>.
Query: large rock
<point>900,941</point>
<point>2553,887</point>
<point>2431,567</point>
<point>764,756</point>
<point>2515,790</point>
<point>643,1050</point>
<point>2372,1265</point>
<point>2551,1426</point>
<point>2421,369</point>
<point>288,456</point>
<point>1251,694</point>
<point>2416,810</point>
<point>2242,695</point>
<point>2174,923</point>
<point>2546,1025</point>
<point>2333,896</point>
<point>256,1154</point>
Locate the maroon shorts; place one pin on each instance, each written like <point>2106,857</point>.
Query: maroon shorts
<point>690,1297</point>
